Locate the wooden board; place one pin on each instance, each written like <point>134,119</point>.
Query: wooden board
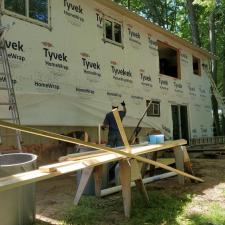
<point>80,164</point>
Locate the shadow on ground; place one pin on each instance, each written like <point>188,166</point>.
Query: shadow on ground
<point>164,209</point>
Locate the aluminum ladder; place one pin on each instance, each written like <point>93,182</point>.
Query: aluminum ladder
<point>7,90</point>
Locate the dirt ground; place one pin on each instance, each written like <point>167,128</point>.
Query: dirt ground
<point>56,195</point>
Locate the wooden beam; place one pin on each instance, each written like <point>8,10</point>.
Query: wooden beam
<point>98,174</point>
<point>81,155</point>
<point>179,159</point>
<point>91,145</point>
<point>125,180</point>
<point>86,174</point>
<point>137,150</point>
<point>121,129</point>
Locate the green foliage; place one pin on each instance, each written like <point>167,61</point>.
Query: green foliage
<point>172,15</point>
<point>205,3</point>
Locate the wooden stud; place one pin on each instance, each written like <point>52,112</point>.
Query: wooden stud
<point>179,160</point>
<point>141,187</point>
<point>125,179</point>
<point>135,170</point>
<point>121,129</point>
<point>152,167</point>
<point>98,173</point>
<point>137,178</point>
<point>187,161</point>
<point>86,174</point>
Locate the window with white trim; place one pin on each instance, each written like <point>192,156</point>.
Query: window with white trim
<point>154,108</point>
<point>37,10</point>
<point>112,31</point>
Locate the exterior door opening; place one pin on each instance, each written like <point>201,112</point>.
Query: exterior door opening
<point>180,122</point>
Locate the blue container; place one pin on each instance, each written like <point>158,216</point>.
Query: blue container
<point>156,139</point>
<point>152,139</point>
<point>159,139</point>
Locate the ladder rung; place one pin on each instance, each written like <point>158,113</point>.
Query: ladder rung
<point>3,88</point>
<point>8,118</point>
<point>6,103</point>
<point>8,135</point>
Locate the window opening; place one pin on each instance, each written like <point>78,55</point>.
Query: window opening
<point>113,32</point>
<point>169,60</point>
<point>117,33</point>
<point>108,30</point>
<point>196,66</point>
<point>154,108</point>
<point>16,6</point>
<point>33,9</point>
<point>38,10</point>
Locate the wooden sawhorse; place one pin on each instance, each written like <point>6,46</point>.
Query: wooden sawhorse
<point>129,171</point>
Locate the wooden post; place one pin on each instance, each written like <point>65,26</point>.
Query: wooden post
<point>134,173</point>
<point>98,173</point>
<point>187,162</point>
<point>125,179</point>
<point>137,178</point>
<point>86,173</point>
<point>152,167</point>
<point>121,129</point>
<point>179,159</point>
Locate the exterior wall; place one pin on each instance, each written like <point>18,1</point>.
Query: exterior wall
<point>64,92</point>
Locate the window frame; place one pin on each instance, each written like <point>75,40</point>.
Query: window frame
<point>26,17</point>
<point>178,59</point>
<point>105,39</point>
<point>154,103</point>
<point>199,66</point>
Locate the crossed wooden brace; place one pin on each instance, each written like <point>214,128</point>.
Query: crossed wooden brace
<point>124,164</point>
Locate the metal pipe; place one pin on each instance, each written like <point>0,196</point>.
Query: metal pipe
<point>115,189</point>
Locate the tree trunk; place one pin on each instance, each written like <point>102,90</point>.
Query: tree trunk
<point>193,23</point>
<point>223,61</point>
<point>212,42</point>
<point>128,4</point>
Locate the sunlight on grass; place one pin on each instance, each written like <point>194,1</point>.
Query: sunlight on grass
<point>223,193</point>
<point>214,215</point>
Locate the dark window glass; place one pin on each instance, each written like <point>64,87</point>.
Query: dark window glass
<point>17,6</point>
<point>154,108</point>
<point>117,33</point>
<point>108,30</point>
<point>38,10</point>
<point>196,66</point>
<point>168,60</point>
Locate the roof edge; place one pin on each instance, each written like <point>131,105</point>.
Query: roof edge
<point>122,10</point>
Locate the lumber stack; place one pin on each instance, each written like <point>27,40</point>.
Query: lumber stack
<point>77,162</point>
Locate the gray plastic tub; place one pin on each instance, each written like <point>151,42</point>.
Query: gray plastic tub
<point>17,206</point>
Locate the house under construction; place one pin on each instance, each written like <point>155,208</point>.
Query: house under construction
<point>72,60</point>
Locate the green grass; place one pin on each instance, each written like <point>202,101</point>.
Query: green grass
<point>164,209</point>
<point>215,215</point>
<point>223,193</point>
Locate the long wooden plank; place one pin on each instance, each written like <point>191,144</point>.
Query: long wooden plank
<point>81,155</point>
<point>90,145</point>
<point>17,180</point>
<point>121,129</point>
<point>134,150</point>
<point>125,179</point>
